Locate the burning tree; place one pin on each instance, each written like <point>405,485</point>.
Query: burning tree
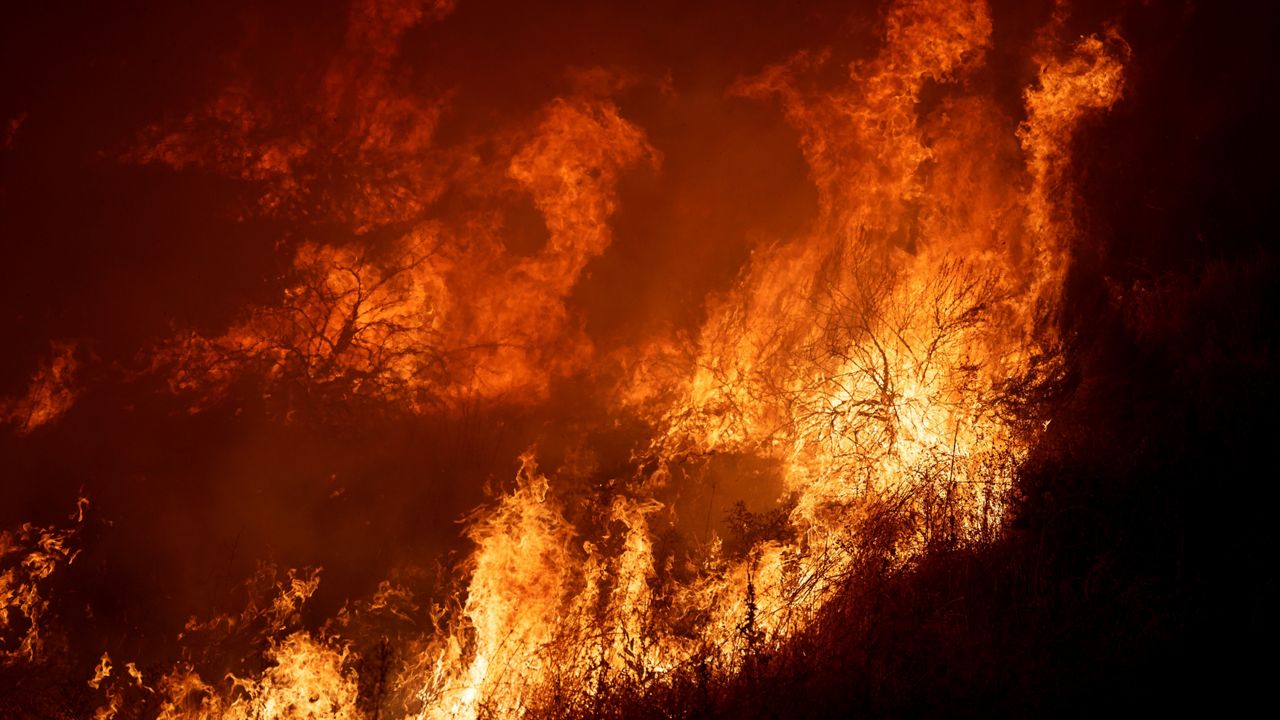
<point>350,326</point>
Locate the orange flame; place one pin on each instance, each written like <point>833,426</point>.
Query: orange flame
<point>869,357</point>
<point>869,360</point>
<point>51,393</point>
<point>29,557</point>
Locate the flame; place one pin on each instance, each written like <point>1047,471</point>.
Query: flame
<point>29,558</point>
<point>869,361</point>
<point>305,678</point>
<point>102,672</point>
<point>367,127</point>
<point>116,688</point>
<point>51,393</point>
<point>446,313</point>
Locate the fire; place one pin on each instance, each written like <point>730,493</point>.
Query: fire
<point>29,558</point>
<point>51,393</point>
<point>305,679</point>
<point>519,582</point>
<point>869,364</point>
<point>869,358</point>
<point>447,314</point>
